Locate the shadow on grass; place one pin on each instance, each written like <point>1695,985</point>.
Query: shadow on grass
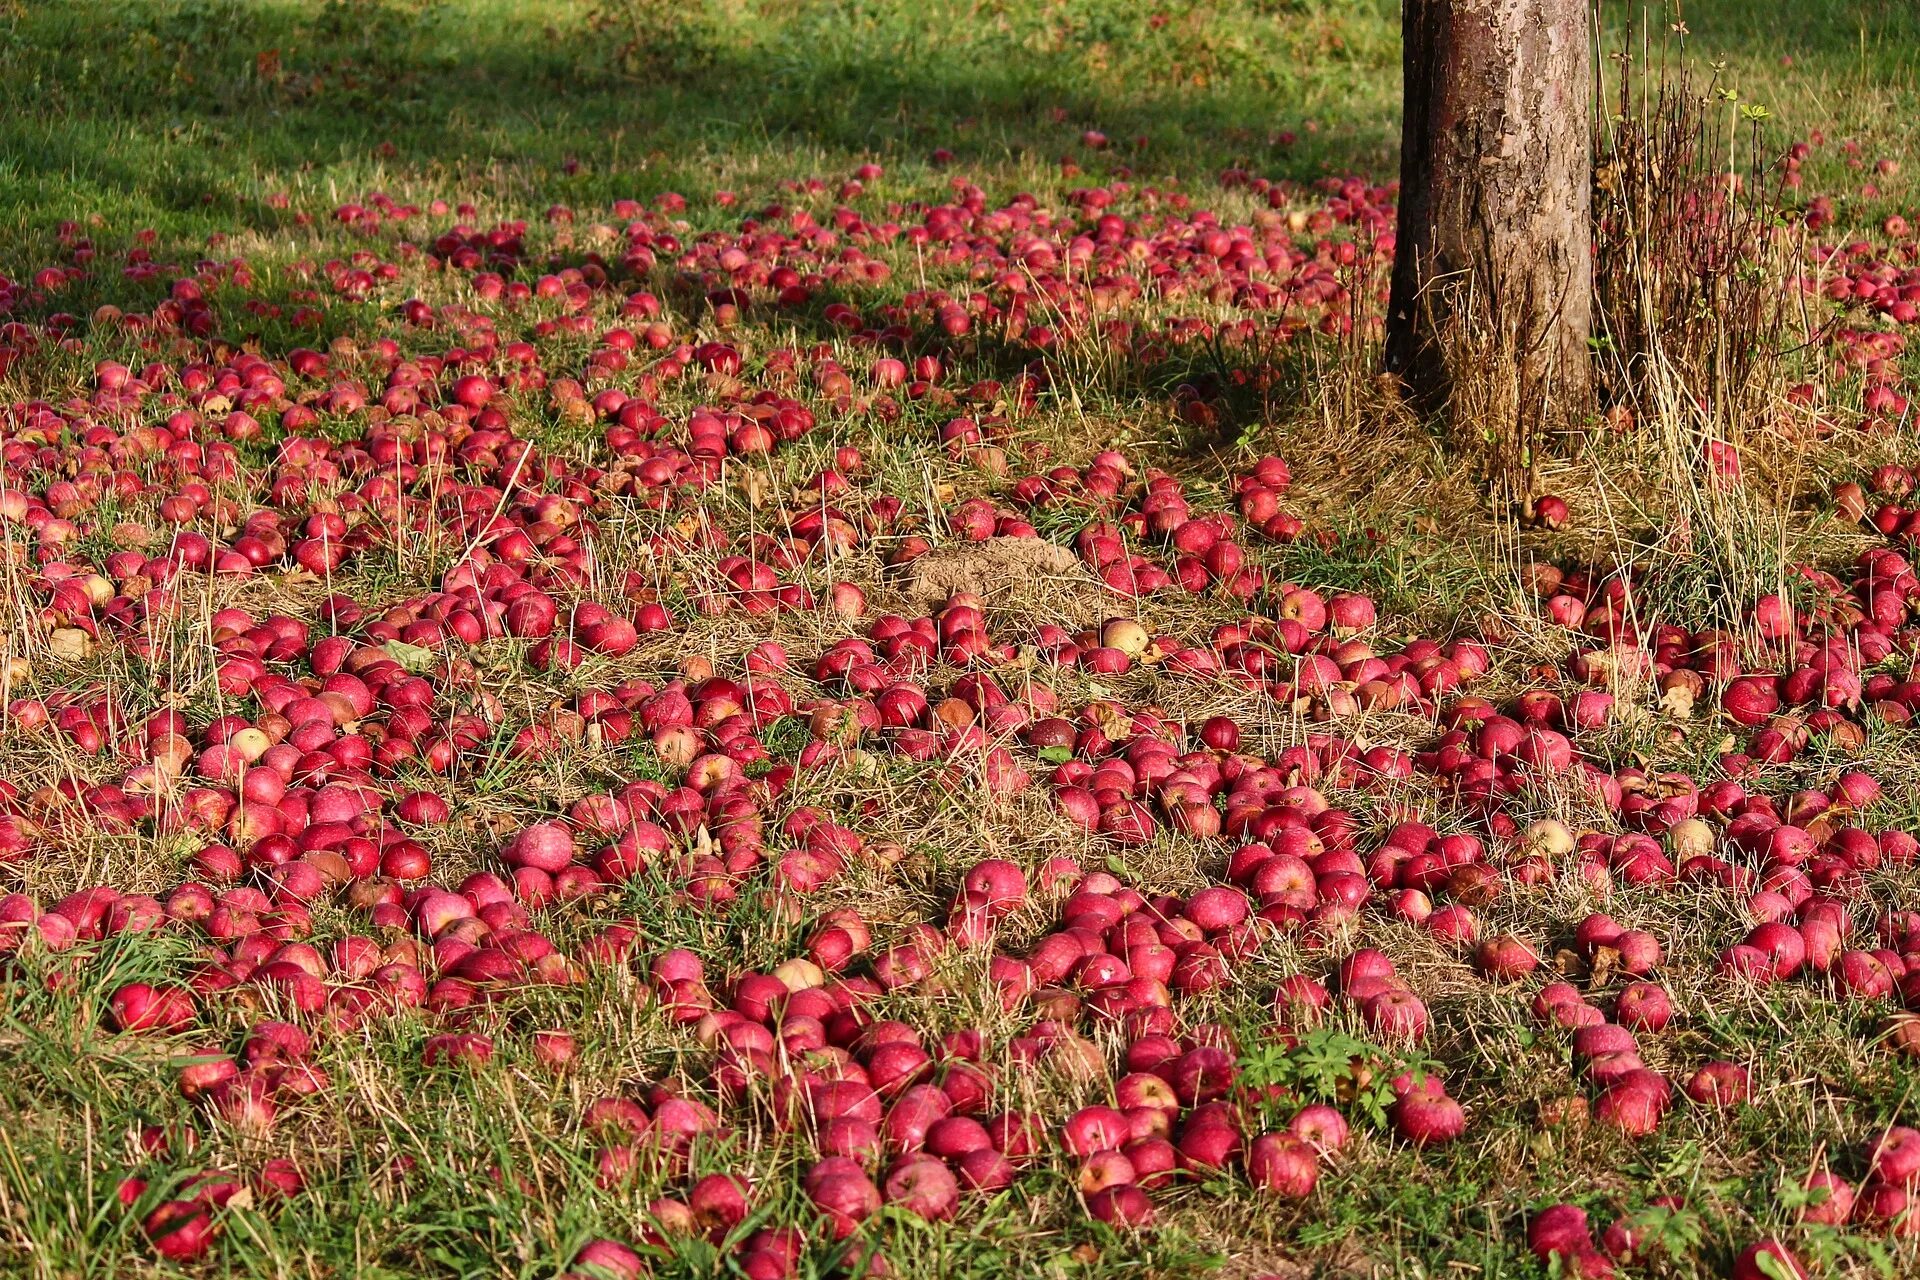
<point>186,109</point>
<point>183,115</point>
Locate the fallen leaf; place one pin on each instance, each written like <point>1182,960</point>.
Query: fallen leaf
<point>411,656</point>
<point>70,644</point>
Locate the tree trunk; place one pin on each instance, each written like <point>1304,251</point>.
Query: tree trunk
<point>1493,264</point>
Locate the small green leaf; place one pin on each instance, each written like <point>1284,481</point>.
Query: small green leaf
<point>1056,755</point>
<point>411,656</point>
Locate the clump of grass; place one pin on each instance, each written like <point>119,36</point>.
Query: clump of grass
<point>1696,275</point>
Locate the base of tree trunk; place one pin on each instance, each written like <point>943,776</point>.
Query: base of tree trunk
<point>1491,302</point>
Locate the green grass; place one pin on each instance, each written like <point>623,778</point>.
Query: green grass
<point>184,114</point>
<point>190,117</point>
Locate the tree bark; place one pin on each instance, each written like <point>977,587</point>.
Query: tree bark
<point>1493,261</point>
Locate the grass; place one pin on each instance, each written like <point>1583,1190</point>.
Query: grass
<point>233,129</point>
<point>142,108</point>
<point>183,114</point>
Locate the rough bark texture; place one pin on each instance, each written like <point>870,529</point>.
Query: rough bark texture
<point>1492,276</point>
